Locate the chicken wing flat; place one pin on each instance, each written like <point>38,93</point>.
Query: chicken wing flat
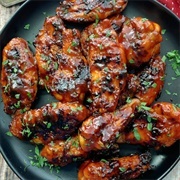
<point>107,64</point>
<point>141,39</point>
<point>155,127</point>
<point>62,153</point>
<point>48,39</point>
<point>97,133</point>
<point>50,122</point>
<point>19,77</point>
<point>62,67</point>
<point>147,84</point>
<point>129,167</point>
<point>89,10</point>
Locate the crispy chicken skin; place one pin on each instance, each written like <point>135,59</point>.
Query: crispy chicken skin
<point>128,167</point>
<point>62,153</point>
<point>97,133</point>
<point>107,64</point>
<point>157,126</point>
<point>141,39</point>
<point>50,122</point>
<point>19,77</point>
<point>62,67</point>
<point>89,10</point>
<point>147,84</point>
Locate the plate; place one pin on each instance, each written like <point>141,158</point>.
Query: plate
<point>17,153</point>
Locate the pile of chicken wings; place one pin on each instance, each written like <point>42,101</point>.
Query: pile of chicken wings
<point>105,77</point>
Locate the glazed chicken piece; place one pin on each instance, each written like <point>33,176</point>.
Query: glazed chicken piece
<point>62,153</point>
<point>155,127</point>
<point>129,167</point>
<point>97,133</point>
<point>62,67</point>
<point>89,10</point>
<point>19,77</point>
<point>147,84</point>
<point>107,64</point>
<point>141,39</point>
<point>50,122</point>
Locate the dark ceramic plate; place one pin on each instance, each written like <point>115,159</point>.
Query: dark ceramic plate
<point>17,153</point>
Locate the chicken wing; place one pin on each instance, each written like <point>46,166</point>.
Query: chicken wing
<point>50,122</point>
<point>107,64</point>
<point>89,10</point>
<point>129,167</point>
<point>62,67</point>
<point>157,126</point>
<point>62,153</point>
<point>141,39</point>
<point>147,84</point>
<point>19,77</point>
<point>97,133</point>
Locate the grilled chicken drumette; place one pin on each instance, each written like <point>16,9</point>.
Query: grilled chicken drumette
<point>19,77</point>
<point>141,39</point>
<point>50,122</point>
<point>62,68</point>
<point>128,167</point>
<point>89,10</point>
<point>107,64</point>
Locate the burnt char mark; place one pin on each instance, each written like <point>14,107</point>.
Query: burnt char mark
<point>145,158</point>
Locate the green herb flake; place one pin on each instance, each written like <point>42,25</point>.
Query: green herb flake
<point>27,27</point>
<point>17,96</point>
<point>104,161</point>
<point>149,126</point>
<point>122,169</point>
<point>9,133</point>
<point>49,125</point>
<point>131,61</point>
<point>136,134</point>
<point>163,31</point>
<point>168,92</point>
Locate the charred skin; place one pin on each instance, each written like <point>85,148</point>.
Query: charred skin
<point>148,83</point>
<point>107,64</point>
<point>19,77</point>
<point>90,10</point>
<point>97,133</point>
<point>70,80</point>
<point>62,153</point>
<point>141,39</point>
<point>51,122</point>
<point>160,126</point>
<point>62,67</point>
<point>128,167</point>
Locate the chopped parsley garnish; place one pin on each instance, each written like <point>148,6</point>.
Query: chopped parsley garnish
<point>9,133</point>
<point>136,134</point>
<point>27,27</point>
<point>122,169</point>
<point>174,58</point>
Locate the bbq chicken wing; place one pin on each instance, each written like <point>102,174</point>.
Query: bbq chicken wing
<point>97,133</point>
<point>155,127</point>
<point>18,77</point>
<point>129,167</point>
<point>89,10</point>
<point>147,84</point>
<point>141,39</point>
<point>50,122</point>
<point>62,67</point>
<point>62,153</point>
<point>107,64</point>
